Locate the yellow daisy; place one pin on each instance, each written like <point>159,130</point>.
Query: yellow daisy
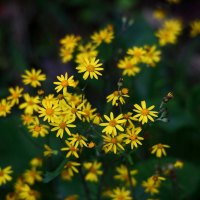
<point>121,194</point>
<point>159,149</point>
<point>15,94</point>
<point>71,150</point>
<point>5,107</point>
<point>5,175</point>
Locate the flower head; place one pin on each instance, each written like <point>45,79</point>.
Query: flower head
<point>5,175</point>
<point>159,149</point>
<point>121,194</point>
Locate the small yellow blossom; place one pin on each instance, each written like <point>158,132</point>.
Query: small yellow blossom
<point>90,67</point>
<point>78,140</point>
<point>144,113</point>
<point>36,162</point>
<point>5,108</point>
<point>26,193</point>
<point>179,164</point>
<point>27,119</point>
<point>5,175</point>
<point>49,151</point>
<point>32,175</point>
<point>121,194</point>
<point>195,28</point>
<point>33,77</point>
<point>93,171</point>
<point>159,149</point>
<point>71,150</point>
<point>88,112</point>
<point>15,94</point>
<point>137,53</point>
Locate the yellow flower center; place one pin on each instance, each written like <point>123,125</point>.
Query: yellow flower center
<point>114,140</point>
<point>160,146</point>
<point>133,137</point>
<point>145,112</point>
<point>124,91</point>
<point>129,65</point>
<point>37,128</point>
<point>72,148</point>
<point>116,93</point>
<point>2,108</point>
<point>112,123</point>
<point>15,95</point>
<point>73,110</point>
<point>62,125</point>
<point>90,68</point>
<point>30,103</point>
<point>120,197</point>
<point>1,174</point>
<point>33,78</point>
<point>93,170</point>
<point>126,116</point>
<point>87,113</point>
<point>49,111</point>
<point>64,83</point>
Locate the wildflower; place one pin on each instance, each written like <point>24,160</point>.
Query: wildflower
<point>150,186</point>
<point>90,67</point>
<point>72,197</point>
<point>129,66</point>
<point>49,151</point>
<point>88,112</point>
<point>33,77</point>
<point>113,124</point>
<point>5,107</point>
<point>144,113</point>
<point>120,194</point>
<point>66,176</point>
<point>64,82</point>
<point>36,162</point>
<point>91,145</point>
<point>123,175</point>
<point>78,140</point>
<point>178,164</point>
<point>5,175</point>
<point>129,118</point>
<point>117,96</point>
<point>61,125</point>
<point>112,143</point>
<point>70,41</point>
<point>159,14</point>
<point>38,129</point>
<point>30,105</point>
<point>152,55</point>
<point>71,150</point>
<point>159,149</point>
<point>195,28</point>
<point>93,171</point>
<point>26,193</point>
<point>50,111</point>
<point>15,94</point>
<point>132,137</point>
<point>32,175</point>
<point>137,53</point>
<point>27,119</point>
<point>71,167</point>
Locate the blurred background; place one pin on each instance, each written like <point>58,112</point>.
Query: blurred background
<point>29,37</point>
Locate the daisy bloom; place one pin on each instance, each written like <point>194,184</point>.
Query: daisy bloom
<point>26,193</point>
<point>113,124</point>
<point>33,77</point>
<point>48,151</point>
<point>30,105</point>
<point>121,194</point>
<point>64,82</point>
<point>93,171</point>
<point>71,167</point>
<point>32,175</point>
<point>15,94</point>
<point>78,140</point>
<point>132,137</point>
<point>137,53</point>
<point>195,28</point>
<point>71,150</point>
<point>150,186</point>
<point>5,175</point>
<point>70,41</point>
<point>144,113</point>
<point>90,67</point>
<point>159,150</point>
<point>5,108</point>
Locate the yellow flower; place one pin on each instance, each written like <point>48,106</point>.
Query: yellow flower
<point>195,28</point>
<point>26,193</point>
<point>30,105</point>
<point>71,167</point>
<point>38,129</point>
<point>123,175</point>
<point>112,143</point>
<point>129,66</point>
<point>50,111</point>
<point>66,54</point>
<point>5,175</point>
<point>78,140</point>
<point>93,171</point>
<point>64,82</point>
<point>88,112</point>
<point>159,149</point>
<point>120,194</point>
<point>61,125</point>
<point>137,53</point>
<point>33,77</point>
<point>71,150</point>
<point>159,14</point>
<point>178,164</point>
<point>150,186</point>
<point>4,107</point>
<point>32,175</point>
<point>144,113</point>
<point>11,196</point>
<point>113,124</point>
<point>152,55</point>
<point>65,175</point>
<point>70,41</point>
<point>15,94</point>
<point>90,67</point>
<point>27,119</point>
<point>36,162</point>
<point>132,137</point>
<point>49,151</point>
<point>117,96</point>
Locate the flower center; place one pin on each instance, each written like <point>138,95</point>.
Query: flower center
<point>145,112</point>
<point>90,68</point>
<point>37,128</point>
<point>30,103</point>
<point>62,125</point>
<point>133,137</point>
<point>1,174</point>
<point>49,111</point>
<point>129,65</point>
<point>124,91</point>
<point>2,108</point>
<point>64,83</point>
<point>73,110</point>
<point>72,148</point>
<point>115,93</point>
<point>112,123</point>
<point>159,146</point>
<point>114,140</point>
<point>93,170</point>
<point>15,95</point>
<point>33,78</point>
<point>126,116</point>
